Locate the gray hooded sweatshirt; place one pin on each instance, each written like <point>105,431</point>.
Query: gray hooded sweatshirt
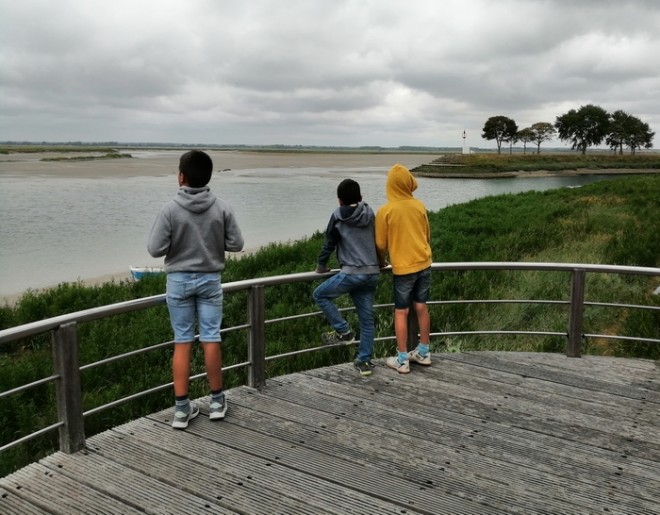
<point>193,231</point>
<point>351,231</point>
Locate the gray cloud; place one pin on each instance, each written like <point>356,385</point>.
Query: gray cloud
<point>352,72</point>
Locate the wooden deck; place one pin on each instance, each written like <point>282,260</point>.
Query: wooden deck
<point>474,433</point>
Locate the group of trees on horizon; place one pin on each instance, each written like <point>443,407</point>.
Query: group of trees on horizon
<point>588,126</point>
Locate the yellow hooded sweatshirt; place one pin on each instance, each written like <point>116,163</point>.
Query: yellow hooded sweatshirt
<point>402,225</point>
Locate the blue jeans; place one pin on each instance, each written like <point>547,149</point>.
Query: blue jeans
<point>193,295</point>
<point>362,289</point>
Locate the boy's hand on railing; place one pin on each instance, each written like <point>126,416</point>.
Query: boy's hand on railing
<point>322,269</point>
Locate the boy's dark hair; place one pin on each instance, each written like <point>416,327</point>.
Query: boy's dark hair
<point>197,167</point>
<point>348,192</point>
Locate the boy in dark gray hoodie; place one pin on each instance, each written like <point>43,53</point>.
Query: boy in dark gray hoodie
<point>193,231</point>
<point>351,232</point>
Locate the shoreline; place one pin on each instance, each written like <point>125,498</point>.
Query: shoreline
<point>539,173</point>
<point>10,299</point>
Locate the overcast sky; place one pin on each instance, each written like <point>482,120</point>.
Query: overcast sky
<point>318,72</point>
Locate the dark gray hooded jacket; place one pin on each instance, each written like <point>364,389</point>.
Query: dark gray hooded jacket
<point>351,231</point>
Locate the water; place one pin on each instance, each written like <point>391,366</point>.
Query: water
<point>61,229</point>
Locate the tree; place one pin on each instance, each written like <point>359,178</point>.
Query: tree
<point>641,136</point>
<point>526,135</point>
<point>618,128</point>
<point>499,128</point>
<point>585,127</point>
<point>626,129</point>
<point>543,131</point>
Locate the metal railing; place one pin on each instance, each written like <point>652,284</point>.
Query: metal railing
<point>67,371</point>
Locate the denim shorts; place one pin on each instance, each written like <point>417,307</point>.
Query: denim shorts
<point>413,287</point>
<point>191,296</point>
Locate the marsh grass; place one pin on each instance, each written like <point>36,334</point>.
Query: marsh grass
<point>489,163</point>
<point>616,222</point>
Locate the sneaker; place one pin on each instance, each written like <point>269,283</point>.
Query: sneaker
<point>416,357</point>
<point>401,368</point>
<point>217,410</point>
<point>364,368</point>
<point>334,337</point>
<point>181,418</point>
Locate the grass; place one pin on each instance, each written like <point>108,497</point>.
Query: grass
<point>614,221</point>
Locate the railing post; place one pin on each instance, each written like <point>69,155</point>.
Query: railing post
<point>257,338</point>
<point>67,388</point>
<point>574,347</point>
<point>413,327</point>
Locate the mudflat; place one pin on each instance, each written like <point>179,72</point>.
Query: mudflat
<point>164,162</point>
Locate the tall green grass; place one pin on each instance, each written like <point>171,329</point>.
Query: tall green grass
<point>609,222</point>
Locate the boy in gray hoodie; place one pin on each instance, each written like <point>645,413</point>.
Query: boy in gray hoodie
<point>193,231</point>
<point>351,232</point>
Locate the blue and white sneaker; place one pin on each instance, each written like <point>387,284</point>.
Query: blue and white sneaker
<point>416,357</point>
<point>401,368</point>
<point>181,418</point>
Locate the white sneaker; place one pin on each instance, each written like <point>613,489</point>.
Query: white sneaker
<point>415,356</point>
<point>401,368</point>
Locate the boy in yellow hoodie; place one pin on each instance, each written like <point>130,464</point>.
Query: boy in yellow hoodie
<point>403,233</point>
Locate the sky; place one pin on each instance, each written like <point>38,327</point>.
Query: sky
<point>384,73</point>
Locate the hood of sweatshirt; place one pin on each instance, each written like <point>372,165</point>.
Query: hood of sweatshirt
<point>195,200</point>
<point>356,215</point>
<point>400,183</point>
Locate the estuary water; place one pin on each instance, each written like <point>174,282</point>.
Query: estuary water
<point>62,229</point>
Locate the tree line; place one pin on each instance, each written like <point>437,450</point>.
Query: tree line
<point>587,126</point>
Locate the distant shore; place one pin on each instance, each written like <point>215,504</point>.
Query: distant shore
<point>156,163</point>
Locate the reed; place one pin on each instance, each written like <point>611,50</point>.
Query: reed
<point>488,163</point>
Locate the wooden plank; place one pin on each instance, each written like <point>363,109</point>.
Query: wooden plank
<point>415,458</point>
<point>564,400</point>
<point>436,420</point>
<point>588,382</point>
<point>350,473</point>
<point>138,490</point>
<point>243,482</point>
<point>12,504</point>
<point>597,402</point>
<point>489,462</point>
<point>509,410</point>
<point>56,493</point>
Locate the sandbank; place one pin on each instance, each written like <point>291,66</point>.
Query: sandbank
<point>165,162</point>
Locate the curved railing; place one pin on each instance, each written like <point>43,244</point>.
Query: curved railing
<point>67,370</point>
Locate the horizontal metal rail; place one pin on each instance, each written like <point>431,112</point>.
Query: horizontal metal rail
<point>63,329</point>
